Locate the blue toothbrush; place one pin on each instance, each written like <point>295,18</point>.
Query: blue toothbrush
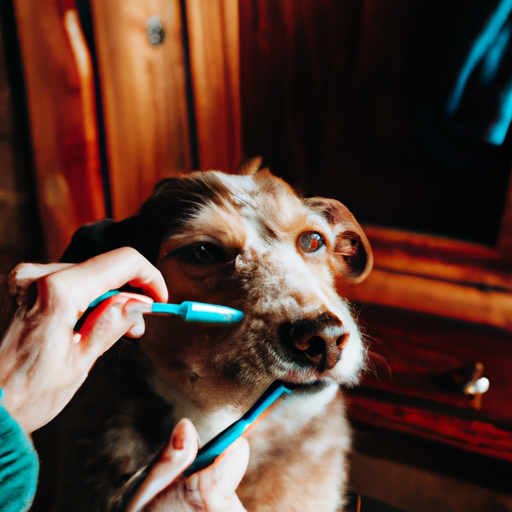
<point>190,311</point>
<point>211,450</point>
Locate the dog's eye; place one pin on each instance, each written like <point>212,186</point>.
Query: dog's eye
<point>310,241</point>
<point>204,253</point>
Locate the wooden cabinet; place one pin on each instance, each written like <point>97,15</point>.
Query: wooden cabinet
<point>112,110</point>
<point>416,385</point>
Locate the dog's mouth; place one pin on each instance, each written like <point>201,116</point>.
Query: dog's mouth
<point>307,387</point>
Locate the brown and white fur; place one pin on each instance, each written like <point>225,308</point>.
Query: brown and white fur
<point>236,240</point>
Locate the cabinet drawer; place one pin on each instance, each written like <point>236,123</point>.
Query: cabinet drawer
<point>414,383</point>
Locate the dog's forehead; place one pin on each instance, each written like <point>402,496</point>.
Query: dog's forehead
<point>263,201</point>
<point>238,211</point>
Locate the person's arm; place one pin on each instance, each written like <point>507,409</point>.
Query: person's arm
<point>43,361</point>
<point>19,465</point>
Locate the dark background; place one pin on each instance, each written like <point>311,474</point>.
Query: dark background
<point>346,99</point>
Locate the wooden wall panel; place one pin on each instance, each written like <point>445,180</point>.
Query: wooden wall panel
<point>344,99</point>
<point>61,104</point>
<point>20,237</point>
<point>215,65</point>
<point>144,99</point>
<point>297,58</point>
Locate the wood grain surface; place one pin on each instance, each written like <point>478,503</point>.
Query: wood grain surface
<point>61,103</point>
<point>214,58</point>
<point>144,97</point>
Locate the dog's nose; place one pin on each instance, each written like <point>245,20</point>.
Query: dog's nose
<point>319,340</point>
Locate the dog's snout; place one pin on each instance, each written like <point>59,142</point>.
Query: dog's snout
<point>318,341</point>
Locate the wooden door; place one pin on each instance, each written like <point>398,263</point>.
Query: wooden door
<point>168,75</point>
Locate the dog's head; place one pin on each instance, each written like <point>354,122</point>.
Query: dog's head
<point>249,242</point>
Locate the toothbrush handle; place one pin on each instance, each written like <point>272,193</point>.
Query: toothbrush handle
<point>211,450</point>
<point>92,305</point>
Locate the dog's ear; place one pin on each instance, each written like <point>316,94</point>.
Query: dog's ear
<point>250,167</point>
<point>107,235</point>
<point>353,254</point>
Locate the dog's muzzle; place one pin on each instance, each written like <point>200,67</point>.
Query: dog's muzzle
<point>315,342</point>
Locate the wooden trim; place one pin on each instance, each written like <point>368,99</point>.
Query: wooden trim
<point>215,63</point>
<point>435,275</point>
<point>144,97</point>
<point>466,303</point>
<point>439,258</point>
<point>61,103</point>
<point>476,436</point>
<point>84,68</point>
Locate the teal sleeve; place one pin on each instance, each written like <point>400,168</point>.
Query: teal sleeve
<point>19,465</point>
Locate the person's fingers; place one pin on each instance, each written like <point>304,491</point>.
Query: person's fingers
<point>176,457</point>
<point>211,489</point>
<point>77,286</point>
<point>117,316</point>
<point>23,275</point>
<point>217,483</point>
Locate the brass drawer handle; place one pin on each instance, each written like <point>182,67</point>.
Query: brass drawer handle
<point>471,381</point>
<point>477,387</point>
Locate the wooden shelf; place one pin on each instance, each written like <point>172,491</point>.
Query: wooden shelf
<point>436,275</point>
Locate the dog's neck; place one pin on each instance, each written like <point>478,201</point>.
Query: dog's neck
<point>189,380</point>
<point>209,420</point>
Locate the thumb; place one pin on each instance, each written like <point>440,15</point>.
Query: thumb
<point>217,484</point>
<point>176,457</point>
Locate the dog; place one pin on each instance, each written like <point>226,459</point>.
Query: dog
<point>249,242</point>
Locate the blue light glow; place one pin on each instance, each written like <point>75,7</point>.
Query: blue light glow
<point>478,50</point>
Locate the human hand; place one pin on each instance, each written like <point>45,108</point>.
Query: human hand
<point>43,361</point>
<point>209,490</point>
